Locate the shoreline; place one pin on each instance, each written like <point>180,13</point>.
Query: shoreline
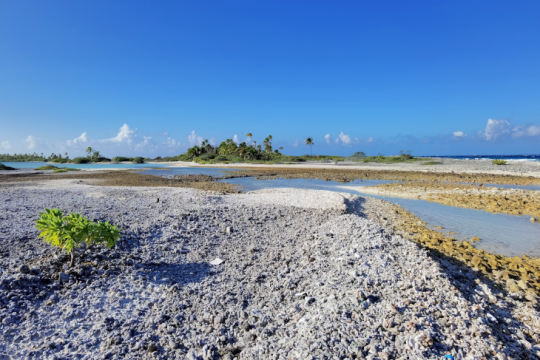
<point>474,167</point>
<point>300,267</point>
<point>514,167</point>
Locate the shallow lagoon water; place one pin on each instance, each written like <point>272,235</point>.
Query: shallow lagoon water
<point>216,172</point>
<point>502,234</point>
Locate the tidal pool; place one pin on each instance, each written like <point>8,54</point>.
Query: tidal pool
<point>502,234</point>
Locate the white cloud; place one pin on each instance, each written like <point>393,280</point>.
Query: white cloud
<point>32,141</point>
<point>5,145</point>
<point>496,128</point>
<point>370,140</point>
<point>125,135</point>
<point>523,131</point>
<point>356,140</point>
<point>295,143</point>
<point>146,143</point>
<point>345,139</point>
<point>164,133</point>
<point>235,139</point>
<point>81,139</point>
<point>327,138</point>
<point>194,139</point>
<point>172,143</point>
<point>459,134</point>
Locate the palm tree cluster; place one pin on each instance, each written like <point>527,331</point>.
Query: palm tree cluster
<point>230,148</point>
<point>94,155</point>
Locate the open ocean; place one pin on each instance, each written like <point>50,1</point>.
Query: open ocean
<point>490,157</point>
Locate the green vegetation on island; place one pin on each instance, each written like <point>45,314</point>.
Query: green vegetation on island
<point>499,162</point>
<point>231,152</point>
<point>403,157</point>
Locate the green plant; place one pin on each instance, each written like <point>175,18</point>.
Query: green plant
<point>81,160</point>
<point>499,162</point>
<point>71,231</point>
<point>138,160</point>
<point>359,154</point>
<point>310,143</point>
<point>46,167</point>
<point>431,163</point>
<point>121,158</point>
<point>62,170</point>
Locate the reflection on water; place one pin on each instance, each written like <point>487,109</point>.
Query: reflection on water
<point>170,172</point>
<point>523,187</point>
<point>503,234</point>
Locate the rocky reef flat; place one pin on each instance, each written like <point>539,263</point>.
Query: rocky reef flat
<point>280,274</point>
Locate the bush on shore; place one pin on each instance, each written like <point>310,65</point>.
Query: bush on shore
<point>81,160</point>
<point>121,159</point>
<point>499,162</point>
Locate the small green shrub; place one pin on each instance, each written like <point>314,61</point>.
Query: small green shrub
<point>62,170</point>
<point>60,161</point>
<point>138,160</point>
<point>81,160</point>
<point>71,231</point>
<point>499,162</point>
<point>46,167</point>
<point>431,163</point>
<point>121,158</point>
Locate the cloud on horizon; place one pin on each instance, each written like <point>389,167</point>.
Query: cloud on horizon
<point>128,142</point>
<point>125,142</point>
<point>194,139</point>
<point>33,142</point>
<point>496,128</point>
<point>5,145</point>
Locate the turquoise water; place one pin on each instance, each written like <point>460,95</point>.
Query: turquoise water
<point>502,234</point>
<point>33,165</point>
<point>216,172</point>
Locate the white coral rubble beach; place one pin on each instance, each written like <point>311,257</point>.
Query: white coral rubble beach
<point>301,275</point>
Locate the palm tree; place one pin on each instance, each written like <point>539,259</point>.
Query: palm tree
<point>89,150</point>
<point>310,143</point>
<point>249,135</point>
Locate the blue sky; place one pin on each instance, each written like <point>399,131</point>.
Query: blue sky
<point>151,78</point>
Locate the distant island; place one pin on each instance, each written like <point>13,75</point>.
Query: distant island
<point>227,152</point>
